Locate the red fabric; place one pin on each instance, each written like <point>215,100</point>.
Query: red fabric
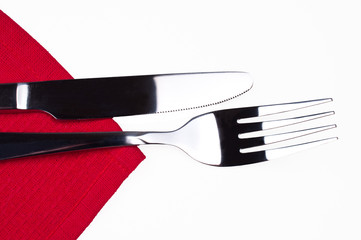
<point>54,196</point>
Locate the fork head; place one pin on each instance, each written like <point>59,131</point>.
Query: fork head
<point>256,134</point>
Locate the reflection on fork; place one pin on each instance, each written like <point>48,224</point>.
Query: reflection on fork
<point>228,137</point>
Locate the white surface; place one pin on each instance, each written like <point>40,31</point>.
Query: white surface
<point>294,50</point>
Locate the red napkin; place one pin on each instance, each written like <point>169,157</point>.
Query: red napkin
<point>54,196</point>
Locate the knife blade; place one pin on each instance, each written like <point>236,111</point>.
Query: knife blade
<point>124,96</point>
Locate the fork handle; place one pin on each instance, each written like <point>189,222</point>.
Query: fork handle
<point>13,145</point>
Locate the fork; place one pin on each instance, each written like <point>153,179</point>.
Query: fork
<point>228,137</point>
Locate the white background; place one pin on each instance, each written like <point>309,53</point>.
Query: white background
<point>294,50</point>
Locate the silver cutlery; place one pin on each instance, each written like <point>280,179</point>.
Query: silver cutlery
<point>228,137</point>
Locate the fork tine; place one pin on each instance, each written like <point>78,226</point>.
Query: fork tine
<point>275,109</point>
<point>290,149</point>
<point>277,152</point>
<point>246,128</point>
<point>248,144</point>
<point>286,107</point>
<point>272,124</point>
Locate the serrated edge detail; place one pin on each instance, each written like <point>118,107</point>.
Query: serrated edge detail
<point>205,105</point>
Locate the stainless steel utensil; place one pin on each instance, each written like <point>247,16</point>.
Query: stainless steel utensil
<point>222,138</point>
<point>123,96</point>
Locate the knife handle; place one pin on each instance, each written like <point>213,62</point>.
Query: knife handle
<point>83,98</point>
<point>13,145</point>
<point>8,96</point>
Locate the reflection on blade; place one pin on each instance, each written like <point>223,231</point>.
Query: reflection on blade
<point>188,91</point>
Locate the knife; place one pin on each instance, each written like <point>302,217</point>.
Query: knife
<point>124,96</point>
